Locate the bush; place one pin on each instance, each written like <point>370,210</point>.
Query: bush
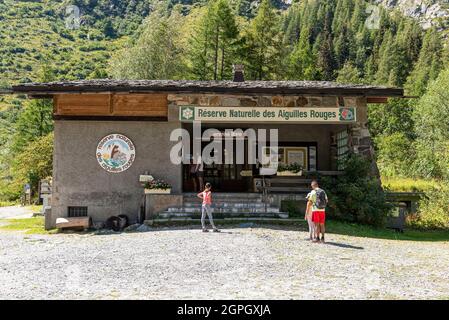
<point>356,196</point>
<point>433,212</point>
<point>395,184</point>
<point>295,208</point>
<point>395,154</point>
<point>34,163</point>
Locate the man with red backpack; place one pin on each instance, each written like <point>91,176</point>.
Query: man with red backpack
<point>318,200</point>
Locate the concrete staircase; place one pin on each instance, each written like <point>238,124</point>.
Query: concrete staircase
<point>225,206</point>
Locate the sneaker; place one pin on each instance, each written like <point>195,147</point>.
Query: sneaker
<point>216,230</point>
<point>315,240</point>
<point>322,240</point>
<point>205,230</point>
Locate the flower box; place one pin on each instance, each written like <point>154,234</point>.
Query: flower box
<point>157,191</point>
<point>288,173</point>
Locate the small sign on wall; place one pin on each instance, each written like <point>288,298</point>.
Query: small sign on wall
<point>115,153</point>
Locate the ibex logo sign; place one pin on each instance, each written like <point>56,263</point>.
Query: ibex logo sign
<point>115,153</point>
<point>187,113</point>
<point>347,114</point>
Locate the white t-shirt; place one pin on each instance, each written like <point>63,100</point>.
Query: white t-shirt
<point>312,198</point>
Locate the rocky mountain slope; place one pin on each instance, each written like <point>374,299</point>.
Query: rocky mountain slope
<point>428,12</point>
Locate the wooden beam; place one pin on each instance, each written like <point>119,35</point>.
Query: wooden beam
<point>150,105</point>
<point>376,100</point>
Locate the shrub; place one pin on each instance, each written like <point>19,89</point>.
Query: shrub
<point>395,154</point>
<point>295,208</point>
<point>395,184</point>
<point>356,196</point>
<point>34,163</point>
<point>433,212</point>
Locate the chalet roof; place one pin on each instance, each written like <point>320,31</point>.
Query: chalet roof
<point>191,86</point>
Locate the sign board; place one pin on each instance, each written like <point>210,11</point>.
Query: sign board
<point>145,178</point>
<point>115,153</point>
<point>270,114</point>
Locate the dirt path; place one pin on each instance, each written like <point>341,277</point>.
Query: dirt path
<point>240,263</point>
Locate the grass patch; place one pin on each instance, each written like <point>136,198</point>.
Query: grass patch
<point>357,230</point>
<point>408,184</point>
<point>28,226</point>
<point>8,203</point>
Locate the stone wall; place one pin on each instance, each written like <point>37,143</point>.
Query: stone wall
<point>78,179</point>
<point>263,101</point>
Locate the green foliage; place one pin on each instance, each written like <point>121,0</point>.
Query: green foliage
<point>429,63</point>
<point>263,44</point>
<point>295,208</point>
<point>357,230</point>
<point>432,129</point>
<point>293,167</point>
<point>214,43</point>
<point>433,209</point>
<point>349,74</point>
<point>157,184</point>
<point>34,163</point>
<point>33,122</point>
<point>34,225</point>
<point>394,117</point>
<point>356,196</point>
<point>394,155</point>
<point>302,60</point>
<point>156,53</point>
<point>395,184</point>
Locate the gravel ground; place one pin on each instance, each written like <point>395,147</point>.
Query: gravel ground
<point>239,263</point>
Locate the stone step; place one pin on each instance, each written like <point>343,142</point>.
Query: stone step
<point>220,195</point>
<point>217,215</point>
<point>227,204</point>
<point>290,180</point>
<point>218,222</point>
<point>197,209</point>
<point>289,189</point>
<point>220,201</point>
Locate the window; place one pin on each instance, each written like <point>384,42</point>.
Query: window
<point>77,212</point>
<point>290,155</point>
<point>342,148</point>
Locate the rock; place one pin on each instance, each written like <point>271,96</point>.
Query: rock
<point>98,225</point>
<point>132,227</point>
<point>246,225</point>
<point>143,228</point>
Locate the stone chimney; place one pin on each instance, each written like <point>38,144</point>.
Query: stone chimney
<point>238,72</point>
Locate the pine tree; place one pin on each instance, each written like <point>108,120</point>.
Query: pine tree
<point>429,63</point>
<point>214,42</point>
<point>263,44</point>
<point>36,119</point>
<point>349,74</point>
<point>325,60</point>
<point>342,47</point>
<point>392,66</point>
<point>302,64</point>
<point>225,36</point>
<point>156,54</point>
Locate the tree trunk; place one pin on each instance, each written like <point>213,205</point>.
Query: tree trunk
<point>216,54</point>
<point>222,61</point>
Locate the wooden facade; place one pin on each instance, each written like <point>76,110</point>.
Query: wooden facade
<point>111,105</point>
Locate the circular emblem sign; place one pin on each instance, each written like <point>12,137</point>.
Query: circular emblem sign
<point>115,153</point>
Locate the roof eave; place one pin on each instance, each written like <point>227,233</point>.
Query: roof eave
<point>368,92</point>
